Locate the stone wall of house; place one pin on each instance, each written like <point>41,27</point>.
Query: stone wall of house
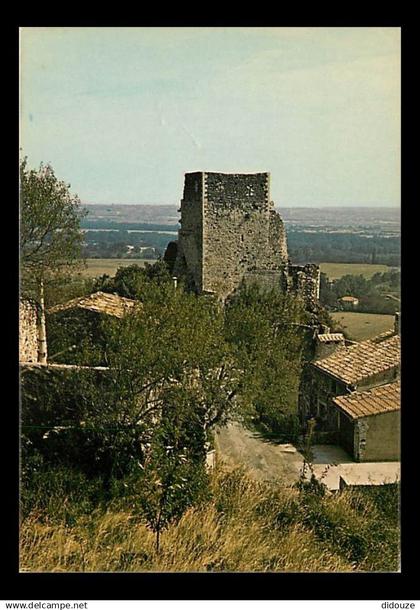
<point>377,438</point>
<point>317,389</point>
<point>28,332</point>
<point>323,350</point>
<point>387,376</point>
<point>345,435</point>
<point>316,392</point>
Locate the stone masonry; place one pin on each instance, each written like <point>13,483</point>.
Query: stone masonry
<point>28,332</point>
<point>230,234</point>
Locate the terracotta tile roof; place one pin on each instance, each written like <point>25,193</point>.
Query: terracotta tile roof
<point>354,363</point>
<point>382,399</point>
<point>100,302</point>
<point>330,337</point>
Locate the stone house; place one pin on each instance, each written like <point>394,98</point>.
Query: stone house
<point>369,423</point>
<point>350,368</point>
<point>98,302</point>
<point>78,322</point>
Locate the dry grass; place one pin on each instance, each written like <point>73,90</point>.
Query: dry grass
<point>361,326</point>
<point>246,526</point>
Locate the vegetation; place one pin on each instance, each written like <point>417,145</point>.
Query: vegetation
<point>303,246</point>
<point>126,444</point>
<point>377,294</point>
<point>144,283</point>
<point>269,345</point>
<point>327,247</point>
<point>50,237</point>
<point>50,216</point>
<point>242,525</point>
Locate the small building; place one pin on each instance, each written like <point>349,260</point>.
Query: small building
<point>357,367</point>
<point>369,423</point>
<point>349,301</point>
<point>78,324</point>
<point>98,302</point>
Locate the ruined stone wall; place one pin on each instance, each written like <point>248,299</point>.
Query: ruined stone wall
<point>305,280</point>
<point>243,237</point>
<point>28,332</point>
<point>230,234</point>
<point>189,261</point>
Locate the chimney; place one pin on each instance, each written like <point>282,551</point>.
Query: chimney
<point>397,323</point>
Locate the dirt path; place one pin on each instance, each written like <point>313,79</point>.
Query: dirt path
<point>237,446</point>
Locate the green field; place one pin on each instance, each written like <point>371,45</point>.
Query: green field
<point>336,270</point>
<point>360,326</point>
<point>99,266</point>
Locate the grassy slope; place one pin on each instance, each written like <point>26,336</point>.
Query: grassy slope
<point>360,326</point>
<point>243,526</point>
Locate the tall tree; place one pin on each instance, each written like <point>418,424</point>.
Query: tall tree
<point>50,236</point>
<point>268,332</point>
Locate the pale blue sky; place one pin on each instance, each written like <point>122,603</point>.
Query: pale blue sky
<point>122,113</point>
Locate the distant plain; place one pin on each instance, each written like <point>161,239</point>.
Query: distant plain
<point>337,270</point>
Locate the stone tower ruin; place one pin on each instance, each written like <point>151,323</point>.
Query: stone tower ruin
<point>230,234</point>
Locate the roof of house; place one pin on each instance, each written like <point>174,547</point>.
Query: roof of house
<point>381,399</point>
<point>354,363</point>
<point>99,302</point>
<point>349,299</point>
<point>330,337</point>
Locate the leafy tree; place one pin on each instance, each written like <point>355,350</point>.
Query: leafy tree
<point>157,367</point>
<point>174,475</point>
<point>141,283</point>
<point>268,331</point>
<point>327,294</point>
<point>50,236</point>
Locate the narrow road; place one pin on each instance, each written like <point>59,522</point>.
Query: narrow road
<point>237,446</point>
